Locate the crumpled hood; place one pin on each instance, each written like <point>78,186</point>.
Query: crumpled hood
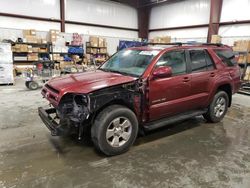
<point>87,82</point>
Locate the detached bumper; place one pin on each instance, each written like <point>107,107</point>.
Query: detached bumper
<point>55,128</point>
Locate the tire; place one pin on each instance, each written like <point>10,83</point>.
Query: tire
<point>215,111</point>
<point>33,85</point>
<point>114,130</point>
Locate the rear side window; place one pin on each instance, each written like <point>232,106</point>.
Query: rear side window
<point>200,61</point>
<point>227,57</point>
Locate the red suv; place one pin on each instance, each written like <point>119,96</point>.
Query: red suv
<point>142,88</point>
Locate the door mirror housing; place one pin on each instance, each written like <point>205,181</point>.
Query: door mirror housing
<point>162,72</point>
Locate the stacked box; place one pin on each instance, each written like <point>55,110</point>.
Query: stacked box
<point>32,57</point>
<point>247,74</point>
<point>216,39</point>
<point>53,35</point>
<point>242,45</point>
<point>103,50</point>
<point>77,40</point>
<point>102,42</point>
<point>94,41</point>
<point>64,64</point>
<point>57,57</point>
<point>165,39</point>
<point>30,36</point>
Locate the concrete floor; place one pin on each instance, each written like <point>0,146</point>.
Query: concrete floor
<point>188,154</point>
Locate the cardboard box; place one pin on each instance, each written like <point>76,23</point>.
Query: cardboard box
<point>33,32</point>
<point>247,58</point>
<point>101,42</point>
<point>44,41</point>
<point>103,50</point>
<point>20,48</point>
<point>216,39</point>
<point>29,32</point>
<point>165,39</point>
<point>26,32</point>
<point>35,49</point>
<point>54,31</point>
<point>64,64</point>
<point>247,74</point>
<point>31,39</point>
<point>33,57</point>
<point>94,41</point>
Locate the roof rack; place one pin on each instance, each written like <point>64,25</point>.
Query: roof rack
<point>186,43</point>
<point>164,44</point>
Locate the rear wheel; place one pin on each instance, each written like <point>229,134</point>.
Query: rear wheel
<point>218,108</point>
<point>114,130</point>
<point>33,85</point>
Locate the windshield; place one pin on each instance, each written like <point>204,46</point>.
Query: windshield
<point>130,62</point>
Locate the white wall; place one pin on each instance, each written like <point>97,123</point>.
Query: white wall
<point>183,13</point>
<point>183,35</point>
<point>235,10</point>
<point>101,12</point>
<point>89,11</point>
<point>38,8</point>
<point>234,32</point>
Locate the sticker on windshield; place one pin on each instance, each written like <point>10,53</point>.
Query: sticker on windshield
<point>153,52</point>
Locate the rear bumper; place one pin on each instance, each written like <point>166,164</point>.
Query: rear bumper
<point>55,128</point>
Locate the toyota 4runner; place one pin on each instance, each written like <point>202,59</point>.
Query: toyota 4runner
<point>142,88</point>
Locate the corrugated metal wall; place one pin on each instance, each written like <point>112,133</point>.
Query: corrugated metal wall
<point>89,11</point>
<point>184,13</point>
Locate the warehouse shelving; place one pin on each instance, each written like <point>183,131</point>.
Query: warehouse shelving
<point>245,86</point>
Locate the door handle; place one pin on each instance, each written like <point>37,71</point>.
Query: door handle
<point>212,74</point>
<point>186,79</point>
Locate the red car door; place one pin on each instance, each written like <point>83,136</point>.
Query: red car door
<point>170,96</point>
<point>203,75</point>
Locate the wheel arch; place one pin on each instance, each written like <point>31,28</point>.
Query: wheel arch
<point>228,89</point>
<point>120,102</point>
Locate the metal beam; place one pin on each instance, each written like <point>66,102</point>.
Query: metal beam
<point>29,17</point>
<point>179,27</point>
<point>143,22</point>
<point>62,15</point>
<point>100,25</point>
<point>214,21</point>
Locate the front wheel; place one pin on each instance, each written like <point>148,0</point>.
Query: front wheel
<point>218,108</point>
<point>33,85</point>
<point>114,130</point>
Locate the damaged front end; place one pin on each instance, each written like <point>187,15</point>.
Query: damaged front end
<point>68,117</point>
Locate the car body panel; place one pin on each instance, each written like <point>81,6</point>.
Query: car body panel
<point>151,99</point>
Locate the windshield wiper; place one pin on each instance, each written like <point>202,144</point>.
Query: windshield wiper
<point>119,72</point>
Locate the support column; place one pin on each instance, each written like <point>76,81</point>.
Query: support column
<point>62,15</point>
<point>214,21</point>
<point>143,22</point>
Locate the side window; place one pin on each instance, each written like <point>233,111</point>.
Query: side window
<point>227,57</point>
<point>176,60</point>
<point>210,63</point>
<point>198,60</point>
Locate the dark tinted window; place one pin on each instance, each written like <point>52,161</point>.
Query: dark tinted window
<point>198,60</point>
<point>227,57</point>
<point>210,63</point>
<point>176,60</point>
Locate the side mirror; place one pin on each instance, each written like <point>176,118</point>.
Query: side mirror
<point>162,72</point>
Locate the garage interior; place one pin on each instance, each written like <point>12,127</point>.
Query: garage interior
<point>46,38</point>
